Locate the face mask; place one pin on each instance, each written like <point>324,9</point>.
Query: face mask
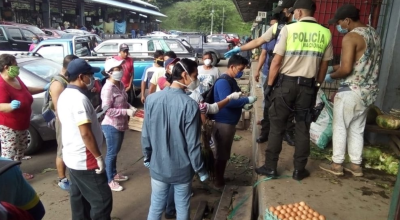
<point>117,75</point>
<point>90,85</point>
<point>341,30</point>
<point>35,41</point>
<point>13,71</point>
<point>294,19</point>
<point>207,62</point>
<point>160,63</point>
<point>193,85</point>
<point>240,74</point>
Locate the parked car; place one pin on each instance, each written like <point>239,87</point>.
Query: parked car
<point>162,34</point>
<point>14,38</point>
<point>200,45</point>
<point>37,72</point>
<point>53,32</point>
<point>32,28</point>
<point>217,40</point>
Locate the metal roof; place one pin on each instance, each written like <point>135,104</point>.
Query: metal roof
<point>249,9</point>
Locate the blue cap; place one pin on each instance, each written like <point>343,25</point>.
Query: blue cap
<point>80,66</point>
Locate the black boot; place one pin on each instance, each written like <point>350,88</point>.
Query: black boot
<point>262,138</point>
<point>289,138</point>
<point>300,174</point>
<point>272,173</point>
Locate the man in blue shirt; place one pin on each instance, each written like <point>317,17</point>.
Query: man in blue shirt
<point>227,118</point>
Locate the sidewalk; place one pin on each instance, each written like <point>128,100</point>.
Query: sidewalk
<point>343,198</point>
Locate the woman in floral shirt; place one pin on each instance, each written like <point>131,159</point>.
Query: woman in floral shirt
<point>115,122</point>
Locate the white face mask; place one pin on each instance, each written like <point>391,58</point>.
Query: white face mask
<point>91,84</point>
<point>207,62</point>
<point>193,85</point>
<point>117,75</point>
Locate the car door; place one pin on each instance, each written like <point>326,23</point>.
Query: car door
<point>4,44</point>
<point>18,43</point>
<point>28,35</point>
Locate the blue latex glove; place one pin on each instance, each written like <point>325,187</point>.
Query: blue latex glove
<point>330,70</point>
<point>232,52</point>
<point>15,104</point>
<point>252,99</point>
<point>203,177</point>
<point>147,164</point>
<point>329,79</point>
<point>47,86</point>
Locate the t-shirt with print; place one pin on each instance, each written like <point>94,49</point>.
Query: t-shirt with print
<point>150,72</point>
<point>207,78</point>
<point>75,109</point>
<point>158,72</point>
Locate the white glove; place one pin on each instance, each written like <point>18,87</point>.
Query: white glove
<point>130,112</point>
<point>235,95</point>
<point>101,164</point>
<point>132,108</point>
<point>252,99</point>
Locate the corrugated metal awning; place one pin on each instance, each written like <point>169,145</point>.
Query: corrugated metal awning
<point>130,7</point>
<point>248,9</point>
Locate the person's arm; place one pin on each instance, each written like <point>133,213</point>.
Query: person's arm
<point>348,57</point>
<point>266,37</point>
<point>192,136</point>
<point>280,49</point>
<point>261,61</point>
<point>142,91</point>
<point>107,100</point>
<point>5,107</point>
<point>146,131</point>
<point>152,88</point>
<point>55,89</point>
<point>35,90</point>
<point>88,138</point>
<point>223,89</point>
<point>322,71</point>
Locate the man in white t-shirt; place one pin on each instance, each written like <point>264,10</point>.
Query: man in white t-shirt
<point>148,85</point>
<point>208,74</point>
<point>82,138</point>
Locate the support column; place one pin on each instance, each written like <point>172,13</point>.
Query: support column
<point>32,5</point>
<point>104,14</point>
<point>46,13</point>
<point>80,5</point>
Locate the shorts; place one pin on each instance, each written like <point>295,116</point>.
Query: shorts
<point>222,136</point>
<point>13,143</point>
<point>58,138</point>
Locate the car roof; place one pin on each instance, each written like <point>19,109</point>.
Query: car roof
<point>59,40</point>
<point>127,40</point>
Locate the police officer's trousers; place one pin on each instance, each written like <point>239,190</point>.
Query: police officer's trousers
<point>289,94</point>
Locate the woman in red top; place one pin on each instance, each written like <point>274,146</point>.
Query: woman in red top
<point>15,110</point>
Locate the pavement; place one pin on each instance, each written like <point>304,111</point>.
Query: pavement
<point>134,201</point>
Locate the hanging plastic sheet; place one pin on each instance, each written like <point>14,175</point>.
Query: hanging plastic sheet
<point>120,28</point>
<point>109,27</point>
<point>99,27</point>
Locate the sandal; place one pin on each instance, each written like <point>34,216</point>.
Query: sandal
<point>27,176</point>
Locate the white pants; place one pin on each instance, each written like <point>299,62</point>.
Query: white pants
<point>349,116</point>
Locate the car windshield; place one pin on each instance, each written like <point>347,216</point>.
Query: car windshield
<point>44,68</point>
<point>217,39</point>
<point>35,30</point>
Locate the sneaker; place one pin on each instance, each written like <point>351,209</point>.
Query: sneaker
<point>334,168</point>
<point>115,186</point>
<point>64,184</point>
<point>355,169</point>
<point>120,178</point>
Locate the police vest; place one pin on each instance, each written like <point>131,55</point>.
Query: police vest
<point>307,38</point>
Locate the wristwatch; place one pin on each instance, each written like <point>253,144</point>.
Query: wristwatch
<point>317,84</point>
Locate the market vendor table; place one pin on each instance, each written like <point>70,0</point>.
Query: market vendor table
<point>393,134</point>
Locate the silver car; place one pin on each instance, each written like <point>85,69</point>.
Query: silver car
<point>37,72</point>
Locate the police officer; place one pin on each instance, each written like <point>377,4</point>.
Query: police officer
<point>301,60</point>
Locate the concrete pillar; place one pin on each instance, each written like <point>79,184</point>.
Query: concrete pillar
<point>46,13</point>
<point>389,86</point>
<point>104,14</point>
<point>32,5</point>
<point>80,5</point>
<point>60,7</point>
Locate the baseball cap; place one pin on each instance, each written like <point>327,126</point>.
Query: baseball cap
<point>345,11</point>
<point>111,63</point>
<point>80,66</point>
<point>304,4</point>
<point>170,61</point>
<point>123,47</point>
<point>283,4</point>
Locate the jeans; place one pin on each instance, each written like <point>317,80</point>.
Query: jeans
<point>114,140</point>
<point>349,117</point>
<point>90,195</point>
<point>159,195</point>
<point>170,209</point>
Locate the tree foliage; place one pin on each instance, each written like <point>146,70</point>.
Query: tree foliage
<point>195,15</point>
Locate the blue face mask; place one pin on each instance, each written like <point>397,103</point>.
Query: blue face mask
<point>240,74</point>
<point>294,19</point>
<point>341,30</point>
<point>35,41</point>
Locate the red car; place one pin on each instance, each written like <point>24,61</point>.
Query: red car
<point>228,39</point>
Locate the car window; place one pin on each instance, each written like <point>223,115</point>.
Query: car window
<point>28,34</point>
<point>108,48</point>
<point>135,47</point>
<point>44,68</point>
<point>48,33</point>
<point>52,52</point>
<point>15,33</point>
<point>150,45</point>
<point>175,46</point>
<point>82,49</point>
<point>3,37</point>
<point>194,41</point>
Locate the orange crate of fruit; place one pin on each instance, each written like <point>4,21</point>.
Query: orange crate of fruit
<point>296,211</point>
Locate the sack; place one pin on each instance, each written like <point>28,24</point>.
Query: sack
<point>48,107</point>
<point>321,130</point>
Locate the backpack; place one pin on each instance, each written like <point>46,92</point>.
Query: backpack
<point>48,107</point>
<point>278,31</point>
<point>208,96</point>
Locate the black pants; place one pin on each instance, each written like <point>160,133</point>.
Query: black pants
<point>90,195</point>
<point>265,122</point>
<point>295,96</point>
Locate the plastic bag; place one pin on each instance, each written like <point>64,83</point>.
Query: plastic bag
<point>321,130</point>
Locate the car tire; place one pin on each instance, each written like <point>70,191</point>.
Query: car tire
<point>215,59</point>
<point>218,61</point>
<point>34,141</point>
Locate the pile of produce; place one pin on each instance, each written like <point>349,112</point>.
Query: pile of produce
<point>375,159</point>
<point>387,121</point>
<point>297,211</point>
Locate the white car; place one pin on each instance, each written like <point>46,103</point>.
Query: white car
<point>161,34</point>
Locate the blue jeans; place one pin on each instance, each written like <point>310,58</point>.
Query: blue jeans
<point>159,195</point>
<point>114,140</point>
<point>170,209</point>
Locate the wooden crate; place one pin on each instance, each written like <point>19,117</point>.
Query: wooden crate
<point>136,122</point>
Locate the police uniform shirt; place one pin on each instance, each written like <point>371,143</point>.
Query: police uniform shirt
<point>311,46</point>
<point>270,33</point>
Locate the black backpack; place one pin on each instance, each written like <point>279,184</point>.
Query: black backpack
<point>278,31</point>
<point>208,96</point>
